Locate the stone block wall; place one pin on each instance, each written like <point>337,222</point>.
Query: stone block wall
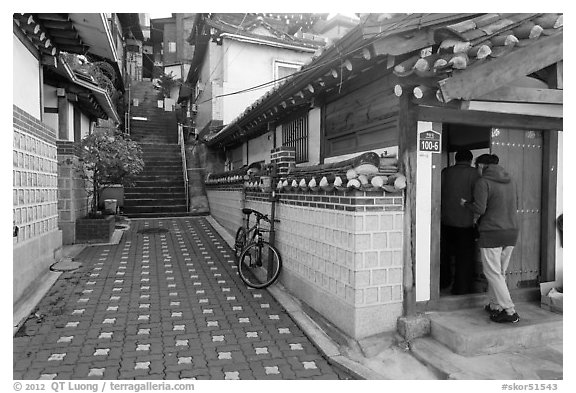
<point>341,251</point>
<point>226,205</point>
<point>35,200</point>
<point>34,177</point>
<point>72,196</point>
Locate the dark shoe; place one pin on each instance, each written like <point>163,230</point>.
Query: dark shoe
<point>491,310</point>
<point>504,317</point>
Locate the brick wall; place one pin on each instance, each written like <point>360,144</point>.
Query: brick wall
<point>72,202</point>
<point>284,157</point>
<point>342,252</point>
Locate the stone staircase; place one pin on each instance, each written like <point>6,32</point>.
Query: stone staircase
<point>159,191</point>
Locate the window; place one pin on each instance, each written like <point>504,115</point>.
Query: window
<point>295,134</point>
<point>171,47</point>
<point>283,69</point>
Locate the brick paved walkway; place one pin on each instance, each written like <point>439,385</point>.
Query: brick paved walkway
<point>163,306</point>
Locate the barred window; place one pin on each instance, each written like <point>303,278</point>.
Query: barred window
<point>295,134</point>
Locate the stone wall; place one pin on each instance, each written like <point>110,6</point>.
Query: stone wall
<point>341,251</point>
<point>35,200</point>
<point>226,205</point>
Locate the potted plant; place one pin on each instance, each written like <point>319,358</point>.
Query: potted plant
<point>108,157</point>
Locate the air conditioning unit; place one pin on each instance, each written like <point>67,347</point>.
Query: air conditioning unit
<point>194,108</point>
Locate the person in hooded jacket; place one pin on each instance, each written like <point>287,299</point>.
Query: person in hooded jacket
<point>495,204</point>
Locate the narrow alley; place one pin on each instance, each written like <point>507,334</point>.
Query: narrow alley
<point>164,303</point>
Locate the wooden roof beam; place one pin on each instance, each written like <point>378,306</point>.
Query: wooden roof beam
<point>524,94</point>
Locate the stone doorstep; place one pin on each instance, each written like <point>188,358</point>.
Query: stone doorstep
<point>470,332</point>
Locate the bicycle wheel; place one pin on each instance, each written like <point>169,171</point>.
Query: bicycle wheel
<point>259,265</point>
<point>240,241</point>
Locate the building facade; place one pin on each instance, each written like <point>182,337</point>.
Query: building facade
<point>394,86</point>
<point>67,81</point>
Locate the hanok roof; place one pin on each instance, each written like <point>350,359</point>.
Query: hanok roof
<point>246,25</point>
<point>408,43</point>
<point>333,65</point>
<point>478,55</point>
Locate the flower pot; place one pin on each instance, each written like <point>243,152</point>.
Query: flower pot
<point>95,230</point>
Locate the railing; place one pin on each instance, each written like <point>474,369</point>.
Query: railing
<point>128,110</point>
<point>184,169</point>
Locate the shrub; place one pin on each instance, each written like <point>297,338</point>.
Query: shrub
<point>108,157</point>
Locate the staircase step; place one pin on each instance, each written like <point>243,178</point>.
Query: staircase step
<point>154,190</point>
<point>470,332</point>
<point>156,183</point>
<point>160,178</point>
<point>168,201</point>
<point>166,214</point>
<point>153,209</point>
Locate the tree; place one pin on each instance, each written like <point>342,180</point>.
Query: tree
<point>108,157</point>
<point>167,82</point>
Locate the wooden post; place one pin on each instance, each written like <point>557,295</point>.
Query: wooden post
<point>549,184</point>
<point>407,149</point>
<point>62,115</point>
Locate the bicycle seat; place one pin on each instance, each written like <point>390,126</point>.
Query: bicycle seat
<point>247,210</point>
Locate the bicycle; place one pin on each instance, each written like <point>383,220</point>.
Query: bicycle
<point>258,262</point>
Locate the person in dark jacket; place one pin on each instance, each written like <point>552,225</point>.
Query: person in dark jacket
<point>457,231</point>
<point>495,207</point>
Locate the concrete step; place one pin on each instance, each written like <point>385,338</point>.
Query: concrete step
<point>156,201</point>
<point>470,332</point>
<point>166,168</point>
<point>167,214</point>
<point>159,183</point>
<point>131,191</point>
<point>156,196</point>
<point>152,209</point>
<point>540,363</point>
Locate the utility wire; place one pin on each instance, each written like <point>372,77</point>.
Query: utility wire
<point>340,57</point>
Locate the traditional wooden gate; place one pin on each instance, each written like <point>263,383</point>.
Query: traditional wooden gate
<point>520,153</point>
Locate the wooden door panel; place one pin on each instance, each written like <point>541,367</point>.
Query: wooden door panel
<point>520,153</point>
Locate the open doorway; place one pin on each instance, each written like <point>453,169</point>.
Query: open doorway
<point>461,267</point>
<point>521,154</point>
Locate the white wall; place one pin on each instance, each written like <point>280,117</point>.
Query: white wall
<point>25,79</point>
<point>247,65</point>
<point>560,209</point>
<point>259,148</point>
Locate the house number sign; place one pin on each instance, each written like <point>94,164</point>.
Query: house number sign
<point>429,141</point>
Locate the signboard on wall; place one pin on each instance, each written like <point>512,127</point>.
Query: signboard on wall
<point>430,141</point>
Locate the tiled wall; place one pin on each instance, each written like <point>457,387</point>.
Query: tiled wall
<point>226,206</point>
<point>342,253</point>
<point>35,202</point>
<point>34,177</point>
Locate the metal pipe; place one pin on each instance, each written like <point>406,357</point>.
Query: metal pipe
<point>272,237</point>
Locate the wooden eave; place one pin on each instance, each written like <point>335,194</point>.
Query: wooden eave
<point>484,77</point>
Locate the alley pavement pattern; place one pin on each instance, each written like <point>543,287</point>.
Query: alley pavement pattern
<point>165,303</point>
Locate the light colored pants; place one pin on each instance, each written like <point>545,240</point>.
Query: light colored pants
<point>494,263</point>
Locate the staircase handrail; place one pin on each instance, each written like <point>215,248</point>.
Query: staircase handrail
<point>184,167</point>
